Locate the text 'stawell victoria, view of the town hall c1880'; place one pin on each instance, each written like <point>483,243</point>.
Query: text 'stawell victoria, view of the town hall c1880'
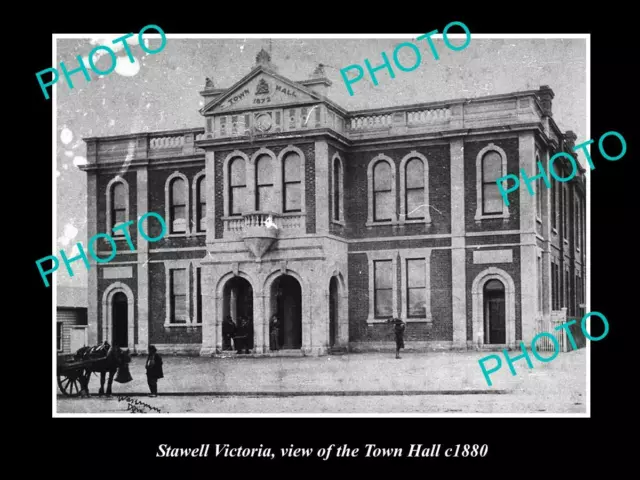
<point>374,213</point>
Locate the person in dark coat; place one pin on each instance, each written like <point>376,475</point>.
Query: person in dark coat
<point>398,329</point>
<point>274,330</point>
<point>242,336</point>
<point>154,370</point>
<point>228,332</point>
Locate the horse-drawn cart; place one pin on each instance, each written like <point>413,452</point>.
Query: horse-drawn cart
<point>73,373</point>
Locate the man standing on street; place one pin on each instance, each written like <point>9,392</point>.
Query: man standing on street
<point>399,327</point>
<point>154,370</point>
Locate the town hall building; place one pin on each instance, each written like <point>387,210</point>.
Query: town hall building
<point>286,203</point>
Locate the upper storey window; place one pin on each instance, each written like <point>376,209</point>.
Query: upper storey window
<point>338,189</point>
<point>117,204</point>
<point>178,206</point>
<point>292,180</point>
<point>238,186</point>
<point>265,194</point>
<point>201,204</point>
<point>383,194</point>
<point>491,164</point>
<point>414,192</point>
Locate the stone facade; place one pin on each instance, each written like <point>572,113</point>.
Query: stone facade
<point>335,220</point>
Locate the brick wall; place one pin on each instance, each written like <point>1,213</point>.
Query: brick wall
<point>471,150</point>
<point>158,333</point>
<point>441,328</point>
<point>356,192</point>
<point>157,179</point>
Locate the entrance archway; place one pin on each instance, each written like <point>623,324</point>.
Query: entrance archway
<point>494,312</point>
<point>334,304</point>
<point>237,301</point>
<point>120,313</point>
<point>286,302</point>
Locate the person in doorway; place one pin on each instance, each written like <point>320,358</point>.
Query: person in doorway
<point>228,332</point>
<point>274,330</point>
<point>242,337</point>
<point>154,370</point>
<point>398,329</point>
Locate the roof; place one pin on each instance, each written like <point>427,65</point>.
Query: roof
<point>72,297</point>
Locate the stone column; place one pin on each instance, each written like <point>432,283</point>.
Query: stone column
<point>322,187</point>
<point>458,253</point>
<point>92,282</point>
<point>260,321</point>
<point>307,333</point>
<point>528,275</point>
<point>319,300</point>
<point>142,246</point>
<point>209,313</point>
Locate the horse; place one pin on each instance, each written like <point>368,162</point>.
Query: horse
<point>109,363</point>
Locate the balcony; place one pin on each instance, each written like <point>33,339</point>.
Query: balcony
<point>260,230</point>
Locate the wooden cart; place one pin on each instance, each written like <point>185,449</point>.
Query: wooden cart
<point>73,373</point>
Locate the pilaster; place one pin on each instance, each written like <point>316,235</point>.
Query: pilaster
<point>322,187</point>
<point>210,175</point>
<point>209,313</point>
<point>528,273</point>
<point>458,260</point>
<point>142,246</point>
<point>546,250</point>
<point>92,274</point>
<point>260,324</point>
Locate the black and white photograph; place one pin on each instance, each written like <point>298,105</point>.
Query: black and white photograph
<point>310,225</point>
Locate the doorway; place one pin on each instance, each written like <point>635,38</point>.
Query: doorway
<point>494,313</point>
<point>238,302</point>
<point>286,295</point>
<point>333,311</point>
<point>120,320</point>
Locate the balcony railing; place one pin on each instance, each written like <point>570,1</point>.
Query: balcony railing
<point>282,224</point>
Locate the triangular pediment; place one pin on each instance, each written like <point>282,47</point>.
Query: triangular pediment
<point>260,88</point>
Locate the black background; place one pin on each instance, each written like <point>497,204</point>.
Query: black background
<point>126,447</point>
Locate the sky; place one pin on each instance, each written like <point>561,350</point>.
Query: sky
<point>160,91</point>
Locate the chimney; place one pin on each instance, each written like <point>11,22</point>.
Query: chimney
<point>545,95</point>
<point>318,82</point>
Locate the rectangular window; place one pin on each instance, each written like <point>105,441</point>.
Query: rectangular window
<point>292,119</point>
<point>199,294</point>
<point>59,336</point>
<point>416,285</point>
<point>318,116</point>
<point>234,125</point>
<point>383,288</point>
<point>577,295</point>
<point>304,117</point>
<point>553,286</point>
<point>567,304</point>
<point>179,295</point>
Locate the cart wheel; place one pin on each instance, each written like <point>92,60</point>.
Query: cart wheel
<point>69,383</point>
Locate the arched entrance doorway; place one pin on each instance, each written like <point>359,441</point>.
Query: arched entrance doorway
<point>494,312</point>
<point>286,302</point>
<point>333,311</point>
<point>238,302</point>
<point>120,318</point>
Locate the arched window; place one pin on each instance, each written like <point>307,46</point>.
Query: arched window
<point>383,200</point>
<point>414,194</point>
<point>337,189</point>
<point>201,204</point>
<point>292,183</point>
<point>237,174</point>
<point>265,198</point>
<point>491,172</point>
<point>178,206</point>
<point>118,206</point>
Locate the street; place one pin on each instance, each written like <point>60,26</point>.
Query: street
<point>376,383</point>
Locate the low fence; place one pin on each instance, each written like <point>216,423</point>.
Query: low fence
<point>550,324</point>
